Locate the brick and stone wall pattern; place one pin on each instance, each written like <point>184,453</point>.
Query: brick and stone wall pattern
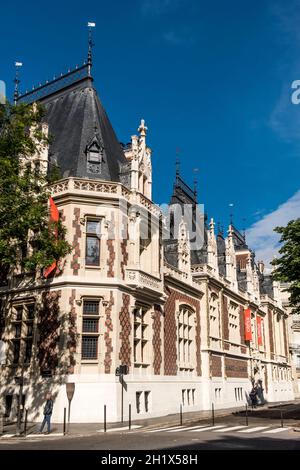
<point>124,252</point>
<point>216,365</point>
<point>170,330</point>
<point>75,263</point>
<point>124,259</point>
<point>49,331</point>
<point>111,258</point>
<point>236,368</point>
<point>156,340</point>
<point>107,335</point>
<point>125,323</point>
<point>110,242</point>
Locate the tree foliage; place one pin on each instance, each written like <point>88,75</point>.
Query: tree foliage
<point>287,266</point>
<point>27,242</point>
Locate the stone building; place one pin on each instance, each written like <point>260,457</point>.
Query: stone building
<point>195,325</point>
<point>294,338</point>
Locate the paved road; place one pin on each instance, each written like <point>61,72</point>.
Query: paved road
<point>224,435</point>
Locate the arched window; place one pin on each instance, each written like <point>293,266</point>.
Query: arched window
<point>186,351</point>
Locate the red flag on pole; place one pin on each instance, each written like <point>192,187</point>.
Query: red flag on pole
<point>247,318</point>
<point>54,217</point>
<point>259,331</point>
<point>54,214</point>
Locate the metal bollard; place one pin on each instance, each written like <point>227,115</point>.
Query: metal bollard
<point>25,422</point>
<point>180,413</point>
<point>246,414</point>
<point>213,414</point>
<point>129,421</point>
<point>281,417</point>
<point>65,420</point>
<point>104,418</point>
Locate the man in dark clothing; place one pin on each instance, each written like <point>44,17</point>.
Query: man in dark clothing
<point>47,413</point>
<point>253,397</point>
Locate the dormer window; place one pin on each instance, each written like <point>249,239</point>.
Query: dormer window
<point>94,153</point>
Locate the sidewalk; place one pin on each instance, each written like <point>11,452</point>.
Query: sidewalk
<point>85,429</point>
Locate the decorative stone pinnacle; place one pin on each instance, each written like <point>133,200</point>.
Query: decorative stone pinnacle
<point>230,231</point>
<point>142,128</point>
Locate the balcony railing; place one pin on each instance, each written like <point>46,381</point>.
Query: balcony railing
<point>138,278</point>
<point>98,187</point>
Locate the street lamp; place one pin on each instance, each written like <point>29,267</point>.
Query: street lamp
<point>120,371</point>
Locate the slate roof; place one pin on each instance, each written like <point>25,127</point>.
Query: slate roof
<point>266,285</point>
<point>183,194</point>
<point>77,119</point>
<point>221,248</point>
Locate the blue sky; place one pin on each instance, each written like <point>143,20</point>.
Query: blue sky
<point>211,78</point>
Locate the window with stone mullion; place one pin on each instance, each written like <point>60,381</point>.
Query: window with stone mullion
<point>140,340</point>
<point>90,330</point>
<point>92,252</point>
<point>23,331</point>
<point>186,338</point>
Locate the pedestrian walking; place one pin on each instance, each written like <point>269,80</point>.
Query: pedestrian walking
<point>47,413</point>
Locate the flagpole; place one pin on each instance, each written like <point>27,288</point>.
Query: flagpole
<point>18,65</point>
<point>90,25</point>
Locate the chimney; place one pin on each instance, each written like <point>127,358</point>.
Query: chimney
<point>261,266</point>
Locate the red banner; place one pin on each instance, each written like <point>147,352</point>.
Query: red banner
<point>259,331</point>
<point>54,217</point>
<point>247,320</point>
<point>54,214</point>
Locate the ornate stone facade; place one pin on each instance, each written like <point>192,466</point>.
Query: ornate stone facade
<point>175,315</point>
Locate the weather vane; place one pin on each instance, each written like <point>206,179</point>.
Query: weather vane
<point>90,25</point>
<point>195,171</point>
<point>177,163</point>
<point>18,65</point>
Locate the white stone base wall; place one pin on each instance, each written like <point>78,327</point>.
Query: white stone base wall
<point>92,392</point>
<point>281,391</point>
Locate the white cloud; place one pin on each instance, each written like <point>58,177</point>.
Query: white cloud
<point>261,236</point>
<point>285,117</point>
